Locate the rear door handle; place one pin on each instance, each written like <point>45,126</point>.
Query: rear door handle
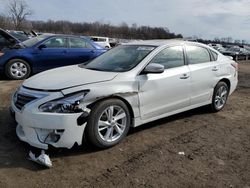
<point>184,76</point>
<point>215,69</point>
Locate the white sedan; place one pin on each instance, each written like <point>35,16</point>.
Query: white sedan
<point>128,86</point>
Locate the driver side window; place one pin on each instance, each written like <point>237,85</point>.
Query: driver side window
<point>57,42</point>
<point>170,57</point>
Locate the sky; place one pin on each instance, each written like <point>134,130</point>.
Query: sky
<point>203,18</point>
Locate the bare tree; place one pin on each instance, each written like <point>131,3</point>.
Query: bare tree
<point>19,11</point>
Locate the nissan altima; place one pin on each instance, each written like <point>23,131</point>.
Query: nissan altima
<point>127,86</point>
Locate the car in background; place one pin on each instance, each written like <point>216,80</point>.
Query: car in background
<point>218,47</point>
<point>20,35</point>
<point>236,51</point>
<point>7,40</point>
<point>46,52</point>
<point>104,41</point>
<point>129,85</point>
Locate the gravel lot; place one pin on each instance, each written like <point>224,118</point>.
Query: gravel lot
<point>216,146</point>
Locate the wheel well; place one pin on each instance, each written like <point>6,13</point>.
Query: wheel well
<point>116,97</point>
<point>227,82</point>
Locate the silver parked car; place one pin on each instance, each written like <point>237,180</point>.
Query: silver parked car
<point>128,86</point>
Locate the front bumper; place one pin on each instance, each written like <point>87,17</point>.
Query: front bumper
<point>40,129</point>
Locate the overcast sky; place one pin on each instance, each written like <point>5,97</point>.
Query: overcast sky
<point>204,18</point>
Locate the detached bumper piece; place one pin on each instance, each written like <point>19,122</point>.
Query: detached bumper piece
<point>42,159</point>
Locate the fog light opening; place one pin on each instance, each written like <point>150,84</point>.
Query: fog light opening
<point>49,136</point>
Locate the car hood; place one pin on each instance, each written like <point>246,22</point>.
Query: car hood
<point>67,77</point>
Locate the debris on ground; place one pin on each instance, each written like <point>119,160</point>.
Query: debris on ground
<point>181,153</point>
<point>42,159</point>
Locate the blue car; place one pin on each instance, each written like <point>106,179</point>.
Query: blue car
<point>46,52</point>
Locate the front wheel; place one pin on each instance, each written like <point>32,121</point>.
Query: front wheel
<point>108,123</point>
<point>17,69</point>
<point>220,96</point>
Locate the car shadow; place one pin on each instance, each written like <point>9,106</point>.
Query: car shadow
<point>14,153</point>
<point>3,78</point>
<point>169,119</point>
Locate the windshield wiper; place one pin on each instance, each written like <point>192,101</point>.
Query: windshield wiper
<point>97,69</point>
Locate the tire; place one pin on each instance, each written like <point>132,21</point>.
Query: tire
<point>220,96</point>
<point>103,131</point>
<point>17,69</point>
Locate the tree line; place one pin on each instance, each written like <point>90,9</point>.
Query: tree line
<point>102,29</point>
<point>95,28</point>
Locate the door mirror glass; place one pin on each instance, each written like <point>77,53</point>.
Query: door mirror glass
<point>153,68</point>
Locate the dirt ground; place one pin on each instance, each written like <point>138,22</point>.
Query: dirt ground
<point>216,146</point>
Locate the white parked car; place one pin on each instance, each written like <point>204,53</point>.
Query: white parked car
<point>127,86</point>
<point>105,42</point>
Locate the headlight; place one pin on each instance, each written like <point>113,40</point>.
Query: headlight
<point>1,54</point>
<point>68,104</point>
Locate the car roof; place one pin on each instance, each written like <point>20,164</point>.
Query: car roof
<point>163,42</point>
<point>157,42</point>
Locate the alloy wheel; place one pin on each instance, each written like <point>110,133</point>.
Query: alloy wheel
<point>221,97</point>
<point>112,123</point>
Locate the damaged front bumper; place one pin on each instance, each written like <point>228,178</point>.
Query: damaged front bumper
<point>44,129</point>
<point>57,130</point>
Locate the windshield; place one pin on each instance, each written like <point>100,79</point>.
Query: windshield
<point>120,59</point>
<point>33,41</point>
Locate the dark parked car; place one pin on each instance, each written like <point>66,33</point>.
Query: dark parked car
<point>7,40</point>
<point>46,52</point>
<point>236,51</point>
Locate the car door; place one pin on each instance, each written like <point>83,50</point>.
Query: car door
<point>203,73</point>
<point>166,92</point>
<point>52,54</point>
<point>80,50</point>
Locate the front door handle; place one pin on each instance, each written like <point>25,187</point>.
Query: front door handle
<point>184,76</point>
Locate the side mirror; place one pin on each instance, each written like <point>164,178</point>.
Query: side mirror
<point>42,46</point>
<point>153,68</point>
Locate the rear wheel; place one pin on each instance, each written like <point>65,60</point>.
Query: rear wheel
<point>17,69</point>
<point>220,96</point>
<point>108,123</point>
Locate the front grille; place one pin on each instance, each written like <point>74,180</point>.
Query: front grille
<point>23,99</point>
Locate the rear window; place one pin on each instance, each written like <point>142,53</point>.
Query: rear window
<point>197,54</point>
